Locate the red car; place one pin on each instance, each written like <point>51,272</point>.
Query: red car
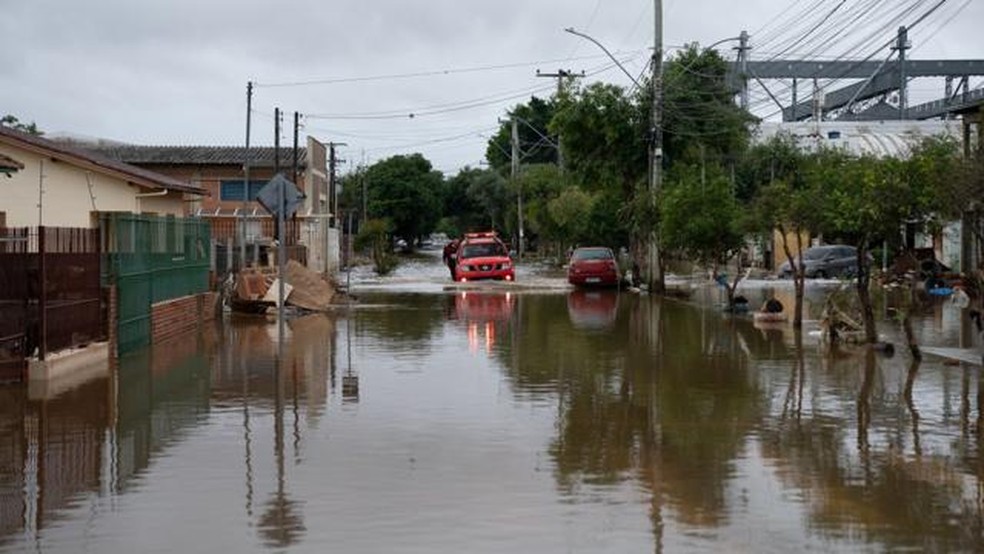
<point>593,266</point>
<point>483,256</point>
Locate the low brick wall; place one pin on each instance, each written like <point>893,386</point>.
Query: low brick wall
<point>177,317</point>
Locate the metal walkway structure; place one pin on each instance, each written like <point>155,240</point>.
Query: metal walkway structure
<point>880,79</point>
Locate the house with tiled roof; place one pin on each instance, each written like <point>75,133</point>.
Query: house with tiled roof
<point>56,184</point>
<point>230,202</point>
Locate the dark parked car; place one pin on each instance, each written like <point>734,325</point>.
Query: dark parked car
<point>821,262</point>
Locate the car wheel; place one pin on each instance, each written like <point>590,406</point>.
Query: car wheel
<point>820,274</point>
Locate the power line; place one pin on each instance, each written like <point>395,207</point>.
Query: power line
<point>430,73</point>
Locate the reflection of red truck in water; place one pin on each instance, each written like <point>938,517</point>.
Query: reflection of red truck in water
<point>482,312</point>
<point>479,307</point>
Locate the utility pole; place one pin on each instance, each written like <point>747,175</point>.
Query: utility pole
<point>276,141</point>
<point>332,192</point>
<point>515,178</point>
<point>297,125</point>
<point>365,201</point>
<point>560,75</point>
<point>333,162</point>
<point>743,49</point>
<point>902,45</point>
<point>655,266</point>
<point>242,230</point>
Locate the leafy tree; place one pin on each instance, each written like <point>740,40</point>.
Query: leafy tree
<point>702,219</point>
<point>570,212</point>
<point>869,200</point>
<point>489,192</point>
<point>461,212</point>
<point>374,235</point>
<point>14,123</point>
<point>606,154</point>
<point>536,142</point>
<point>700,119</point>
<point>406,191</point>
<point>604,133</point>
<point>782,203</point>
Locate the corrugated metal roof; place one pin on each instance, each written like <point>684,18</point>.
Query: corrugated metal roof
<point>876,138</point>
<point>72,154</point>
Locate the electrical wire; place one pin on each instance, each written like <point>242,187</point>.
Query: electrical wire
<point>420,74</point>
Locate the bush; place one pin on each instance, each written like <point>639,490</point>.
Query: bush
<point>375,237</point>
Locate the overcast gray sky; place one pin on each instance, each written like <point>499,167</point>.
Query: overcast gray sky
<point>175,71</point>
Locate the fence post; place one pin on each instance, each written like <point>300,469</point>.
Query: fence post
<point>43,294</point>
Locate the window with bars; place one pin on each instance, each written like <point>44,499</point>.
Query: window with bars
<point>232,190</point>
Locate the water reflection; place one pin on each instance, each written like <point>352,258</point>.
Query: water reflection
<point>638,424</point>
<point>485,315</point>
<point>96,439</point>
<point>592,309</point>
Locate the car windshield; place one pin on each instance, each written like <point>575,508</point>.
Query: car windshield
<point>816,253</point>
<point>591,254</point>
<point>483,250</point>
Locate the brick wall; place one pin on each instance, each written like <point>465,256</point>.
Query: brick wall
<point>177,317</point>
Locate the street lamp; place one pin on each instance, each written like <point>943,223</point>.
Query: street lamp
<point>572,31</point>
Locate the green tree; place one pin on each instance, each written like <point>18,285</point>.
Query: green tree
<point>702,219</point>
<point>570,213</point>
<point>535,141</point>
<point>869,200</point>
<point>460,211</point>
<point>406,191</point>
<point>14,123</point>
<point>374,235</point>
<point>701,122</point>
<point>488,190</point>
<point>782,203</point>
<point>606,154</point>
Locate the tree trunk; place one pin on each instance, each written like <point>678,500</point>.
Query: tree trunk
<point>799,274</point>
<point>864,294</point>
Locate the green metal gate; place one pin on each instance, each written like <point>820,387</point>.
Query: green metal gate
<point>151,259</point>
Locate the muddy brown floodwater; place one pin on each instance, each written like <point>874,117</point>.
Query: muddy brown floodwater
<point>448,420</point>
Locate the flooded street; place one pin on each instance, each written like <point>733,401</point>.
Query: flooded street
<point>527,418</point>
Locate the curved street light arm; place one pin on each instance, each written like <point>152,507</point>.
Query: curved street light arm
<point>605,50</point>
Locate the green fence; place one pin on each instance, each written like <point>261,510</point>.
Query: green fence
<point>151,259</point>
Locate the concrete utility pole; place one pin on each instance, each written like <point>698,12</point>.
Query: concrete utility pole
<point>365,201</point>
<point>279,234</point>
<point>333,162</point>
<point>902,45</point>
<point>655,266</point>
<point>515,178</point>
<point>246,162</point>
<point>743,49</point>
<point>297,126</point>
<point>276,141</point>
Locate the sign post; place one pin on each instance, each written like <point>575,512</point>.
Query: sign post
<point>281,198</point>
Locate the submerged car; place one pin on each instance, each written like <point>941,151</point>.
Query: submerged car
<point>593,266</point>
<point>821,262</point>
<point>483,256</point>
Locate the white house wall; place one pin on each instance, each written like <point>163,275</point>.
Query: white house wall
<point>69,194</point>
